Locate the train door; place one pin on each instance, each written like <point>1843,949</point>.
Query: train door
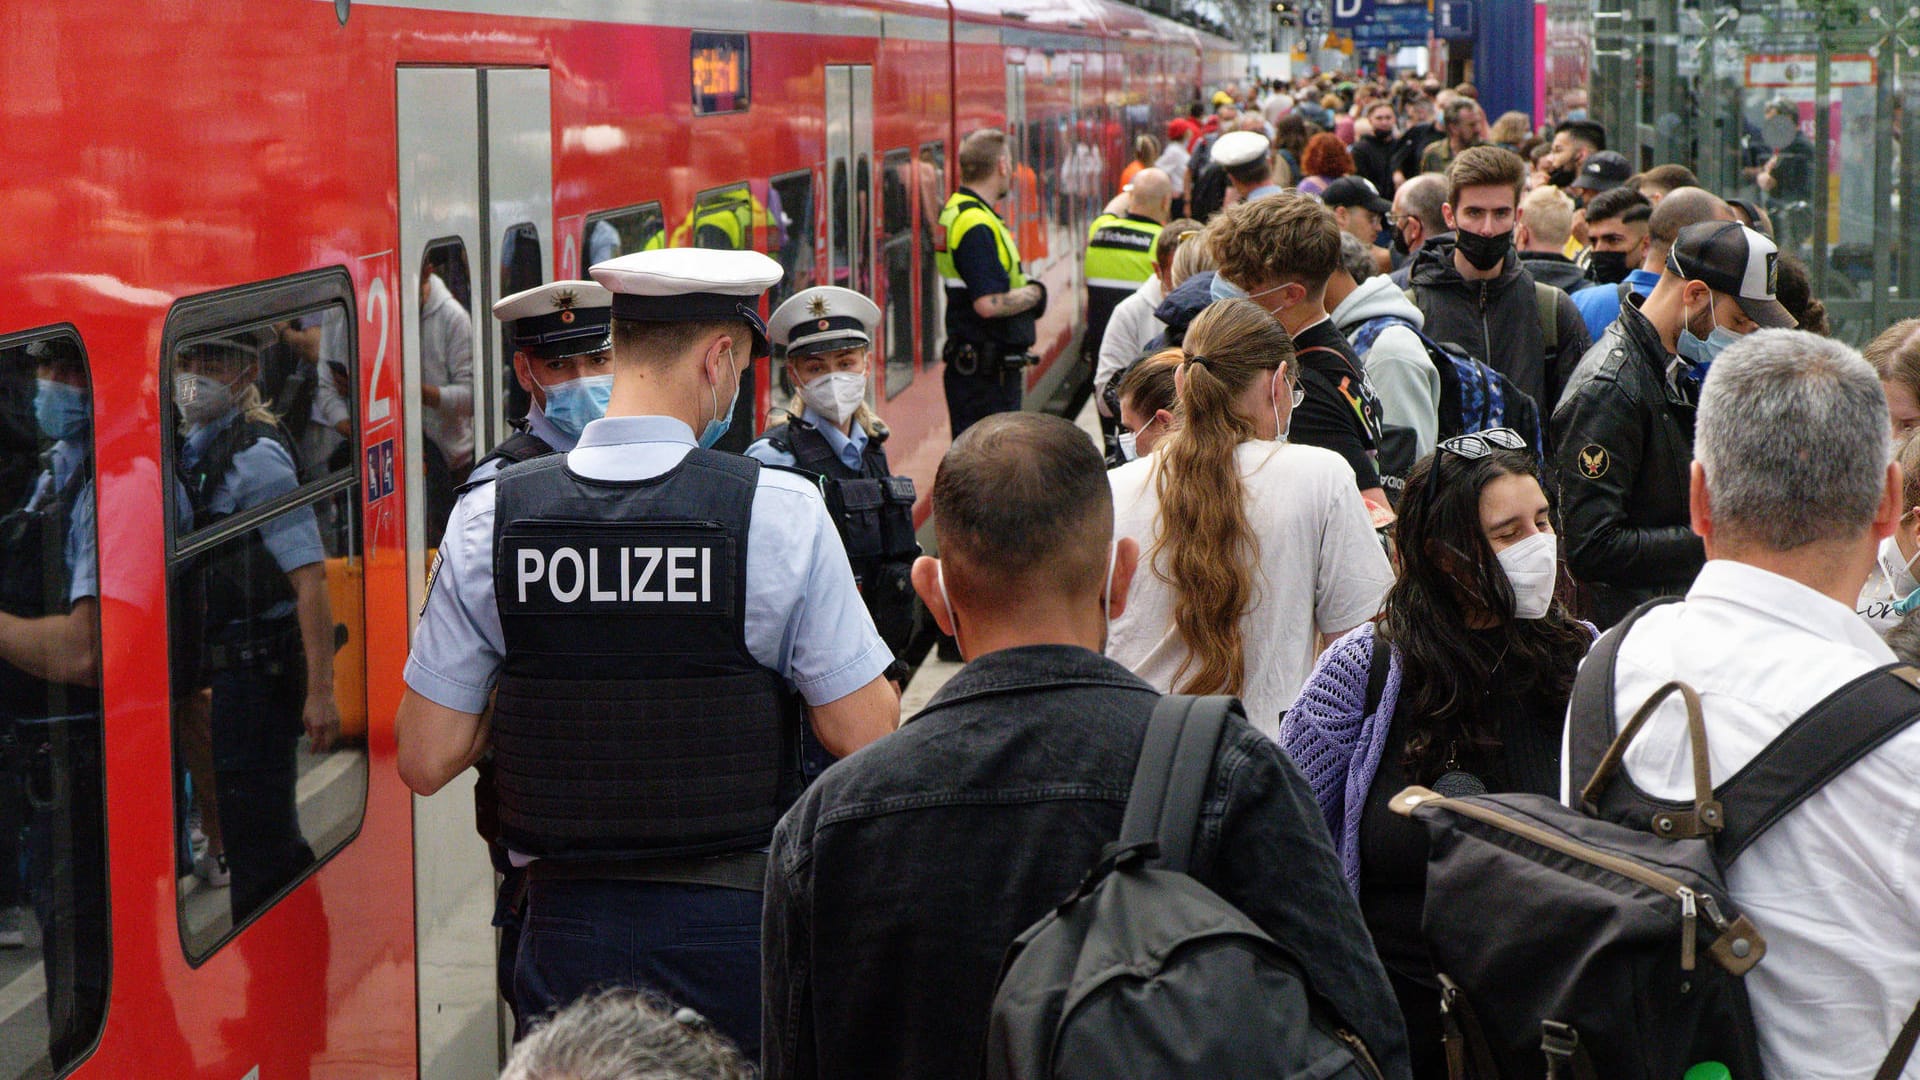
<point>476,222</point>
<point>1019,203</point>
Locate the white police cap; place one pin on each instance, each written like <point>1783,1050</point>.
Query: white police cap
<point>823,318</point>
<point>558,320</point>
<point>1237,148</point>
<point>690,284</point>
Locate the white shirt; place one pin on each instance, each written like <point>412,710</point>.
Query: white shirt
<point>1320,570</point>
<point>446,361</point>
<point>1834,887</point>
<point>1130,330</point>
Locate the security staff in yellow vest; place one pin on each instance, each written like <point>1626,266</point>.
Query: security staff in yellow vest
<point>1120,255</point>
<point>651,620</point>
<point>991,306</point>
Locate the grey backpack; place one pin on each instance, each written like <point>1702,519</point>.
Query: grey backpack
<point>1146,973</point>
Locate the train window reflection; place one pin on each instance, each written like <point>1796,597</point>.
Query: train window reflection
<point>790,226</point>
<point>266,628</point>
<point>896,262</point>
<point>931,178</point>
<point>446,378</point>
<point>53,875</point>
<point>623,232</point>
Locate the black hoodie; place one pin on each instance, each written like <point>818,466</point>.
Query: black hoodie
<point>1499,321</point>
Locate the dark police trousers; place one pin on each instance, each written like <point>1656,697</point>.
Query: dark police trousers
<point>972,398</point>
<point>636,739</point>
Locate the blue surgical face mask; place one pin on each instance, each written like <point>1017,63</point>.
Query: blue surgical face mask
<point>573,404</point>
<point>1222,289</point>
<point>61,409</point>
<point>1700,354</point>
<point>716,428</point>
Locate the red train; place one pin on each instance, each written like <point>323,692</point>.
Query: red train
<point>251,193</point>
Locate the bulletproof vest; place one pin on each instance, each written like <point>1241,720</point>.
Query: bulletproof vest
<point>630,720</point>
<point>34,582</point>
<point>237,580</point>
<point>873,510</point>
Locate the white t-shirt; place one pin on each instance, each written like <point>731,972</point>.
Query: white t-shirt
<point>1320,570</point>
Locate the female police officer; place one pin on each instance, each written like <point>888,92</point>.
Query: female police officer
<point>827,333</point>
<point>653,612</point>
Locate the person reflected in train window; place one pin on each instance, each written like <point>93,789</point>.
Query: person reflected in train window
<point>446,391</point>
<point>827,334</point>
<point>268,631</point>
<point>50,720</point>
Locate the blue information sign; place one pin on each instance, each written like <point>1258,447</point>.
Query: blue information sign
<point>1454,20</point>
<point>1384,23</point>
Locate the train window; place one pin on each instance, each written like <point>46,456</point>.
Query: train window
<point>265,611</point>
<point>53,857</point>
<point>838,193</point>
<point>896,261</point>
<point>723,218</point>
<point>931,180</point>
<point>790,226</point>
<point>446,378</point>
<point>520,269</point>
<point>623,232</point>
<point>863,227</point>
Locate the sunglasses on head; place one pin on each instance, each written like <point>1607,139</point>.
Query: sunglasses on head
<point>1479,444</point>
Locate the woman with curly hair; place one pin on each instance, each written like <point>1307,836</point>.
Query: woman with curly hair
<point>1461,686</point>
<point>1325,160</point>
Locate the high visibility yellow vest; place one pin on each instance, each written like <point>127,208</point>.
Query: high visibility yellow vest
<point>732,214</point>
<point>1120,252</point>
<point>962,214</point>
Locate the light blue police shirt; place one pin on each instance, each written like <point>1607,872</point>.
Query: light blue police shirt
<point>540,428</point>
<point>848,448</point>
<point>804,617</point>
<point>261,472</point>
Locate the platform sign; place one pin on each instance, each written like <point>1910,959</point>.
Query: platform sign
<point>1797,69</point>
<point>1387,24</point>
<point>1453,20</point>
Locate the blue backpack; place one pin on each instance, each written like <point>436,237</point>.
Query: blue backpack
<point>1473,396</point>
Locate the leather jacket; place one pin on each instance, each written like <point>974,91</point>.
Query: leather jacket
<point>1623,448</point>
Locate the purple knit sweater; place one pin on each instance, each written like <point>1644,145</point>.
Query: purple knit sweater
<point>1336,743</point>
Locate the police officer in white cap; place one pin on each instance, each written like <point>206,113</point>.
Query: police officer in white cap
<point>832,434</point>
<point>563,359</point>
<point>656,615</point>
<point>1247,158</point>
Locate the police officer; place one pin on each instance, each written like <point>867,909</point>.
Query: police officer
<point>991,306</point>
<point>563,359</point>
<point>1121,251</point>
<point>268,647</point>
<point>827,333</point>
<point>50,721</point>
<point>655,614</point>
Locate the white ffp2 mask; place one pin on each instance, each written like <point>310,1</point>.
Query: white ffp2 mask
<point>1531,566</point>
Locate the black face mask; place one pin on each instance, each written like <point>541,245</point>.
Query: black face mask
<point>1560,178</point>
<point>1400,242</point>
<point>1484,252</point>
<point>1607,267</point>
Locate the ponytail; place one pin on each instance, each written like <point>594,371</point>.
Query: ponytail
<point>1204,545</point>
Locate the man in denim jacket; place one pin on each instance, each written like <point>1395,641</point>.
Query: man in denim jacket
<point>897,882</point>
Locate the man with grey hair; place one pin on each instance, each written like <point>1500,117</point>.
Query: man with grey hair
<point>1417,219</point>
<point>625,1035</point>
<point>1792,491</point>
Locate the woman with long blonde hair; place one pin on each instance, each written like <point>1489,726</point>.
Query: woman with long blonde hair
<point>1257,549</point>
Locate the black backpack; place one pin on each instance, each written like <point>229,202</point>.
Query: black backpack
<point>1144,972</point>
<point>1600,941</point>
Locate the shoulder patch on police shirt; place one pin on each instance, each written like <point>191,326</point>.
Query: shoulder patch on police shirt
<point>674,570</point>
<point>1593,461</point>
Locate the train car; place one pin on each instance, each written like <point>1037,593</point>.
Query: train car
<point>246,353</point>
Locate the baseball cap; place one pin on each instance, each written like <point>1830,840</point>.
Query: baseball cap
<point>1356,191</point>
<point>1730,258</point>
<point>1221,97</point>
<point>1604,170</point>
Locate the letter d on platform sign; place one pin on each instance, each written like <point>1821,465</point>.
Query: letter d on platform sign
<point>1350,13</point>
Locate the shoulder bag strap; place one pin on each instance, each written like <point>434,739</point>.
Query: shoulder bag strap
<point>1547,307</point>
<point>1844,727</point>
<point>1170,781</point>
<point>1896,1060</point>
<point>1590,715</point>
<point>1377,670</point>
